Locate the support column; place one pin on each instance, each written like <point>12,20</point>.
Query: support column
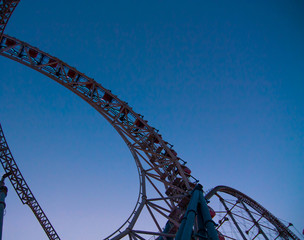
<point>185,229</point>
<point>3,194</point>
<point>197,213</point>
<point>209,224</point>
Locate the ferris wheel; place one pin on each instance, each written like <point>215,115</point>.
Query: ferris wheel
<point>166,183</point>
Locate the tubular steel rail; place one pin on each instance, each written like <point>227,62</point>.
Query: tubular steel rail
<point>24,192</point>
<point>283,231</point>
<point>144,138</point>
<point>7,8</point>
<point>155,158</point>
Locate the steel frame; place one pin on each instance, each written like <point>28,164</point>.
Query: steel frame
<point>243,202</point>
<point>232,217</point>
<point>155,158</point>
<point>7,8</point>
<point>197,222</point>
<point>23,191</point>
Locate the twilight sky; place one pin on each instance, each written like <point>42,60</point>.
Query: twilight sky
<point>223,81</point>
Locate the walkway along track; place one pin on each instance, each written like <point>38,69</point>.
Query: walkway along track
<point>155,158</point>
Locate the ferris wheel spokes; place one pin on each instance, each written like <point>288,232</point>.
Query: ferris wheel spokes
<point>240,217</point>
<point>165,183</point>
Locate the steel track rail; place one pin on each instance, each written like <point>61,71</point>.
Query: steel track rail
<point>24,192</point>
<point>161,161</point>
<point>27,197</point>
<point>116,111</point>
<point>7,8</point>
<point>141,138</point>
<point>282,229</point>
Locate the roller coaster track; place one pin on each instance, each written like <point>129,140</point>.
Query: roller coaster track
<point>155,158</point>
<point>144,138</point>
<point>24,192</point>
<point>7,8</point>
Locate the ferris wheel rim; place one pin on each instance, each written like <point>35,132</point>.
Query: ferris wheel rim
<point>253,204</point>
<point>120,132</point>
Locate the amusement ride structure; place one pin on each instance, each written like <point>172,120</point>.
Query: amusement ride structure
<point>176,200</point>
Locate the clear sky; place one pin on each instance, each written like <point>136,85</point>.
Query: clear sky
<point>223,81</point>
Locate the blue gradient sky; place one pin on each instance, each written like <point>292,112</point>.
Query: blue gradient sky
<point>222,80</point>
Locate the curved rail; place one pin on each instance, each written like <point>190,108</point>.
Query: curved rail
<point>282,229</point>
<point>117,112</point>
<point>155,158</point>
<point>24,192</point>
<point>7,8</point>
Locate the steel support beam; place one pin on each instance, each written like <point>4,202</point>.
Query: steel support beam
<point>3,194</point>
<point>197,207</point>
<point>208,222</point>
<point>25,194</point>
<point>254,221</point>
<point>232,217</point>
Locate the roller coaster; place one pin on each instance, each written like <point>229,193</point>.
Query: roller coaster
<point>179,200</point>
